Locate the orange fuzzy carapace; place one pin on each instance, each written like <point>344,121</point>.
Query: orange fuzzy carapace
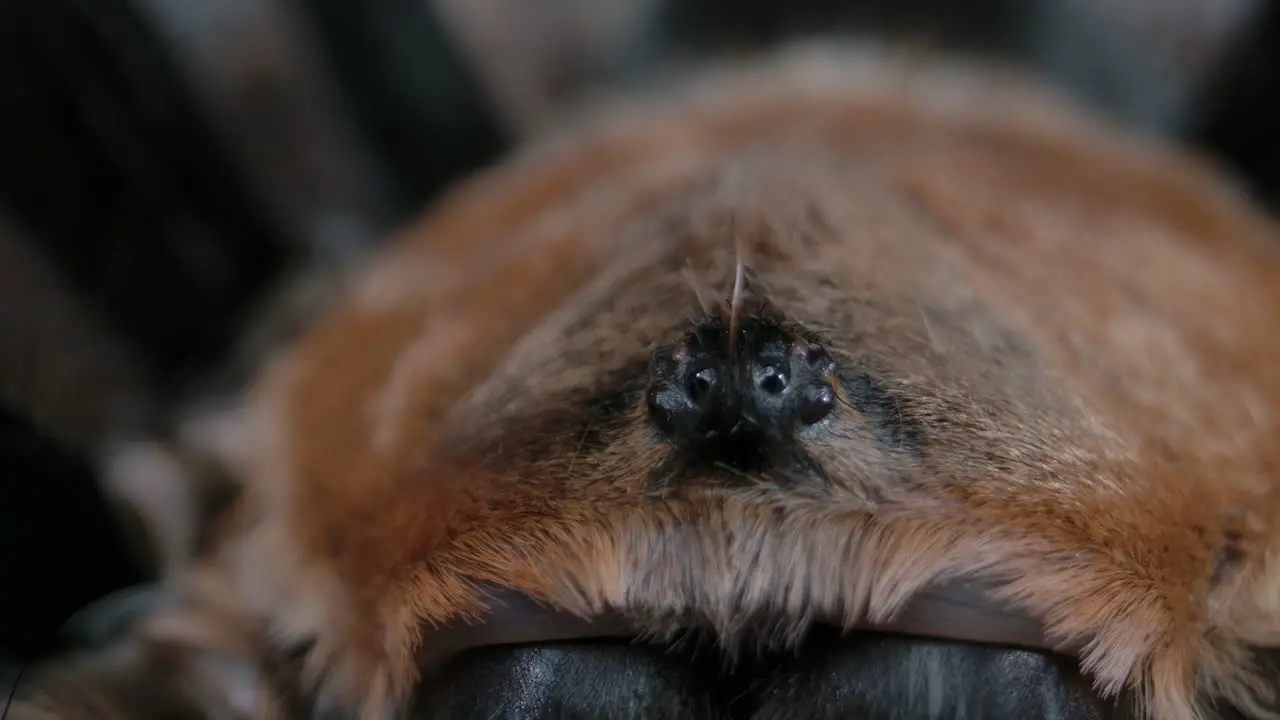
<point>1052,364</point>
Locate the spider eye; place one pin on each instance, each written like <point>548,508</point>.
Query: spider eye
<point>817,404</point>
<point>772,381</point>
<point>702,384</point>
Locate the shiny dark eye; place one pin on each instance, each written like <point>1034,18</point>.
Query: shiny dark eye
<point>701,384</point>
<point>817,404</point>
<point>772,381</point>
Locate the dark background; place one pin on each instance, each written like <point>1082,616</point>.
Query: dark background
<point>152,198</point>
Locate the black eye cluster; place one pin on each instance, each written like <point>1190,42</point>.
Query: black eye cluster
<point>771,383</point>
<point>740,399</point>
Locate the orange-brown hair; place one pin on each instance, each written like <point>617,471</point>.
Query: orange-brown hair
<point>1057,382</point>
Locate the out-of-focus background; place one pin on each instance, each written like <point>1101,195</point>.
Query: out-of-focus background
<point>181,181</point>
